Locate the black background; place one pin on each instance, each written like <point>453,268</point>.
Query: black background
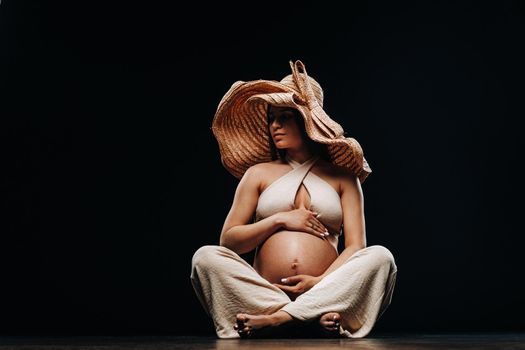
<point>112,178</point>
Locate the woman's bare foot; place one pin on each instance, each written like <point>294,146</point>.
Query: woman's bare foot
<point>330,322</point>
<point>247,324</point>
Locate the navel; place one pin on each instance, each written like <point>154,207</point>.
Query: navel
<point>295,263</point>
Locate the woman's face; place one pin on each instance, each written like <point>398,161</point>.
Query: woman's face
<point>284,129</point>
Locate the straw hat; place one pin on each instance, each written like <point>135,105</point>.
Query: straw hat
<point>240,124</point>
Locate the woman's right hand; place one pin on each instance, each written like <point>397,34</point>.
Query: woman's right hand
<point>303,220</point>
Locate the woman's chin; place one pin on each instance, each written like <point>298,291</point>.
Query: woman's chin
<point>280,144</point>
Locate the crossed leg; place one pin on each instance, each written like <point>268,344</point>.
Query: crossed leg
<point>328,324</point>
<point>353,296</point>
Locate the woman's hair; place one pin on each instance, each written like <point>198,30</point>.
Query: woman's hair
<point>316,148</point>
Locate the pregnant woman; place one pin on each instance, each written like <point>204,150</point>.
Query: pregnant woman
<point>299,191</point>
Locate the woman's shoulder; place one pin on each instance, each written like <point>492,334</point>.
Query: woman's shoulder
<point>264,168</point>
<point>260,174</point>
<point>337,173</point>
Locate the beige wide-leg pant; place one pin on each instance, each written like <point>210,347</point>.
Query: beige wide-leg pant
<point>361,289</point>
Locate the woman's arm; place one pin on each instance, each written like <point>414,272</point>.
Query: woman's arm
<point>237,234</point>
<point>353,221</point>
<point>241,237</point>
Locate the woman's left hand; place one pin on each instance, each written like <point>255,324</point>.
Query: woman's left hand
<point>298,284</point>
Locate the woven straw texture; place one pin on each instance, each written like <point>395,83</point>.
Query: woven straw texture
<point>241,128</point>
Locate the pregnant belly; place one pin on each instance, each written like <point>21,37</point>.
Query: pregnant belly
<point>288,253</point>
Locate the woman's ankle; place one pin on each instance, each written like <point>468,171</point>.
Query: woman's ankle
<point>280,317</point>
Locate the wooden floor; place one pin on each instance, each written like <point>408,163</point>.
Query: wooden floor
<point>390,341</point>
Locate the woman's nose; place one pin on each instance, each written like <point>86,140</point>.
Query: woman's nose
<point>276,123</point>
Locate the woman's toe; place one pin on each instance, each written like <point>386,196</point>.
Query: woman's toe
<point>330,321</point>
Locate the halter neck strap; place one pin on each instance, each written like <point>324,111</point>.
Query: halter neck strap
<point>296,164</point>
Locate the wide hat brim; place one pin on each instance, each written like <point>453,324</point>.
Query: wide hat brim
<point>240,126</point>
